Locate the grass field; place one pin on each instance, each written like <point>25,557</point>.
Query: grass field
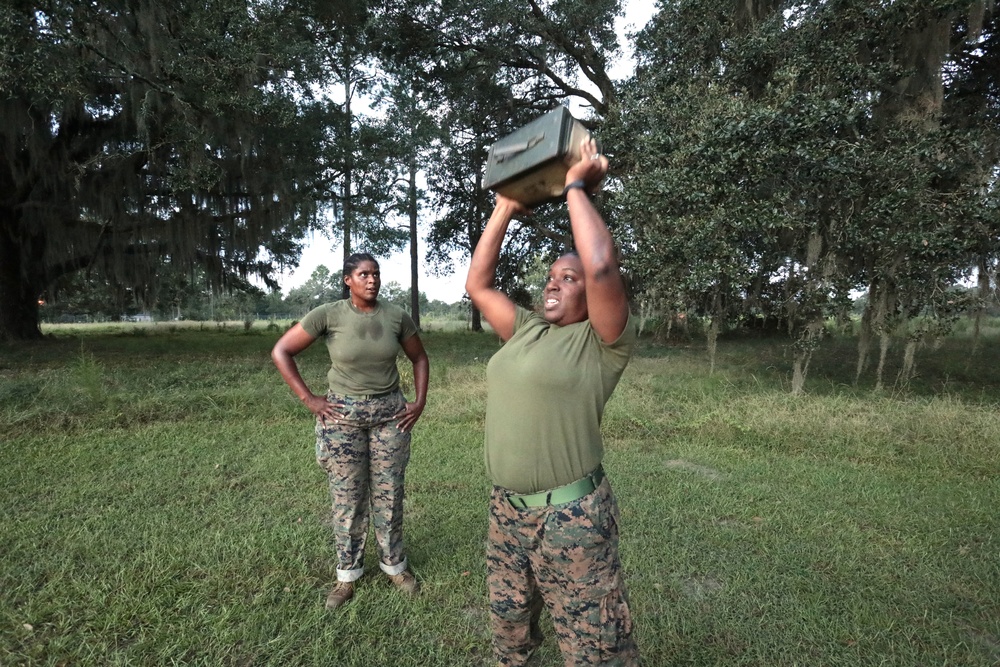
<point>161,506</point>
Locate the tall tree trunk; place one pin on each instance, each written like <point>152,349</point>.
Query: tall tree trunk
<point>864,339</point>
<point>909,362</point>
<point>347,212</point>
<point>645,311</point>
<point>984,295</point>
<point>807,344</point>
<point>712,340</point>
<point>883,346</point>
<point>477,319</point>
<point>475,233</point>
<point>712,335</point>
<point>20,278</point>
<point>411,205</point>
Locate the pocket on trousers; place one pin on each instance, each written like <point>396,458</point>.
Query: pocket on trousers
<point>616,644</point>
<point>323,453</point>
<point>601,511</point>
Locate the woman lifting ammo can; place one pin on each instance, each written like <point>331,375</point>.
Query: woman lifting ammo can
<point>553,525</point>
<point>363,422</point>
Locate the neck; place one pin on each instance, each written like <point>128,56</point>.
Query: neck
<point>362,305</point>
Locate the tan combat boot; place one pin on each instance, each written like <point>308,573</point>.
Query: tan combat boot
<point>406,582</point>
<point>339,594</point>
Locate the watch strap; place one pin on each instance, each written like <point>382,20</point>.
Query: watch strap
<point>574,184</point>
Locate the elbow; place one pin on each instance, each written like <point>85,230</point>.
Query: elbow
<point>602,266</point>
<point>473,289</point>
<point>278,354</point>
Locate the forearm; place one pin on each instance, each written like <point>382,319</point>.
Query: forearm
<point>591,237</point>
<point>486,256</point>
<point>494,305</point>
<point>421,375</point>
<point>290,374</point>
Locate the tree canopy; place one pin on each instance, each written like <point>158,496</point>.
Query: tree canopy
<point>138,133</point>
<point>486,69</point>
<point>782,156</point>
<point>772,160</point>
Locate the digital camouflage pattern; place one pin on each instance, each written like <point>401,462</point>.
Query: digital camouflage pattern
<point>567,557</point>
<point>364,455</point>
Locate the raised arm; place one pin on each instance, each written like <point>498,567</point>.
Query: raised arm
<point>607,306</point>
<point>495,306</point>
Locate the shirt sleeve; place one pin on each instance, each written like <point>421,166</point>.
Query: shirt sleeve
<point>315,322</point>
<point>616,355</point>
<point>627,340</point>
<point>522,316</point>
<point>407,328</point>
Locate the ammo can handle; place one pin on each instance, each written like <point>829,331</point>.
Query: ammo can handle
<point>515,149</point>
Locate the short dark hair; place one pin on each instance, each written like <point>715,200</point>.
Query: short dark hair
<point>354,261</point>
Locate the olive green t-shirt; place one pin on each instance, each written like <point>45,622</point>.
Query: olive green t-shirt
<point>363,346</point>
<point>547,387</point>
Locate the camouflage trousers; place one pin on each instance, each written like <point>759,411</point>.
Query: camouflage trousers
<point>365,456</point>
<point>563,557</point>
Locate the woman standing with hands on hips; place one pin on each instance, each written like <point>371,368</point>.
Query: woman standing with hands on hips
<point>363,422</point>
<point>553,528</point>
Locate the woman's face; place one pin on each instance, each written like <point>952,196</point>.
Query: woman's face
<point>565,295</point>
<point>364,282</point>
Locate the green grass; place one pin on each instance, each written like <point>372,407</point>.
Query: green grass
<point>162,506</point>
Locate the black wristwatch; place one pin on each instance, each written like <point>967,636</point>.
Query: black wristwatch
<point>574,184</point>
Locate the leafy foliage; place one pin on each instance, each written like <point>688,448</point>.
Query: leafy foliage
<point>772,159</point>
<point>545,46</point>
<point>141,132</point>
<point>362,153</point>
<point>782,156</point>
<point>485,69</point>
